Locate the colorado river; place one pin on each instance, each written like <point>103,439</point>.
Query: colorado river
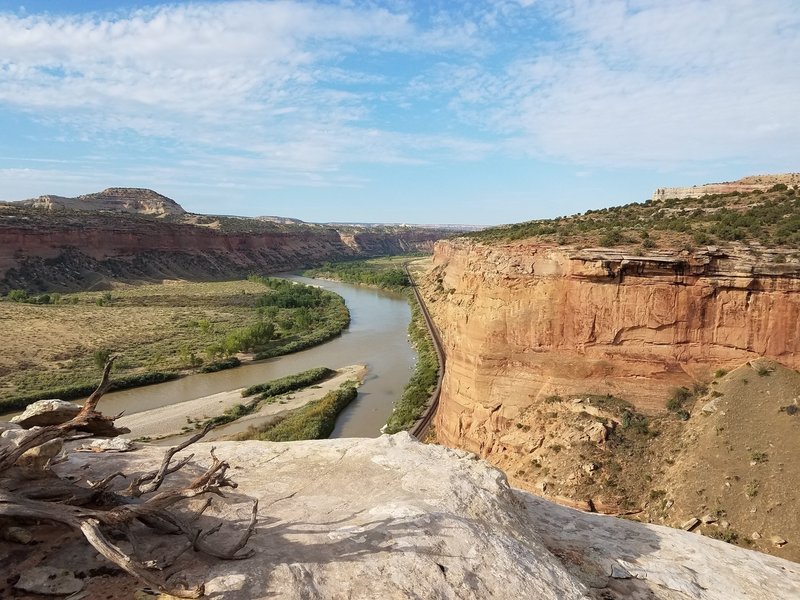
<point>377,337</point>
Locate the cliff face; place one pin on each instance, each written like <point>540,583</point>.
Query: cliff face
<point>523,321</point>
<point>744,185</point>
<point>68,250</point>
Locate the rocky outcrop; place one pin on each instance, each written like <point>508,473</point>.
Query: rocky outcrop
<point>46,412</point>
<point>393,518</point>
<point>745,185</point>
<point>523,321</point>
<point>66,250</point>
<point>129,200</point>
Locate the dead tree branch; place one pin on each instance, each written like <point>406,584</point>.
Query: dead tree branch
<point>94,508</point>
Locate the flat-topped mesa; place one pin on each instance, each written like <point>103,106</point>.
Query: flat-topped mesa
<point>130,200</point>
<point>748,184</point>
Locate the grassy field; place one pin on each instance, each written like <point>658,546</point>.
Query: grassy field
<point>55,350</point>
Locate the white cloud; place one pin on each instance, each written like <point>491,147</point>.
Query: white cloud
<point>258,77</point>
<point>308,88</point>
<point>647,82</point>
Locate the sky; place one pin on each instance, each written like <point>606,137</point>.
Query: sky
<point>394,110</point>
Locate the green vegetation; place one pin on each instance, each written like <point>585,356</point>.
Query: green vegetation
<point>304,315</point>
<point>418,391</point>
<point>682,397</point>
<point>270,390</point>
<point>20,401</point>
<point>314,421</point>
<point>220,365</point>
<point>384,273</point>
<point>289,383</point>
<point>752,487</point>
<point>160,331</point>
<point>770,218</point>
<point>725,535</point>
<point>23,296</point>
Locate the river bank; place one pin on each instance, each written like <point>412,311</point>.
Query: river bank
<point>180,419</point>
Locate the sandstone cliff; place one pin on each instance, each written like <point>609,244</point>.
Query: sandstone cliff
<point>744,185</point>
<point>524,320</point>
<point>67,250</point>
<point>392,518</point>
<point>538,337</point>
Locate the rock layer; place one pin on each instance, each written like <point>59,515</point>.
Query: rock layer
<point>393,518</point>
<point>744,185</point>
<point>522,321</point>
<point>67,250</point>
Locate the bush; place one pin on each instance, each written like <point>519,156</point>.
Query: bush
<point>17,295</point>
<point>679,397</point>
<point>220,365</point>
<point>289,383</point>
<point>314,421</point>
<point>100,357</point>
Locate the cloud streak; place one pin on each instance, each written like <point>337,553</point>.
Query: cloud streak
<point>301,92</point>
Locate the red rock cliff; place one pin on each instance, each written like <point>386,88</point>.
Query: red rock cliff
<point>68,250</point>
<point>523,321</point>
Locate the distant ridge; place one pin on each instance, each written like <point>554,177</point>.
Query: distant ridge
<point>119,199</point>
<point>750,183</point>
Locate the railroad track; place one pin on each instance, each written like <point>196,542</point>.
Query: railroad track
<point>420,428</point>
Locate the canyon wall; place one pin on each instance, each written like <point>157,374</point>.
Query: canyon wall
<point>522,322</point>
<point>68,250</point>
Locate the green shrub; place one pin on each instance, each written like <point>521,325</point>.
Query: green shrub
<point>74,392</point>
<point>100,357</point>
<point>289,383</point>
<point>314,421</point>
<point>220,365</point>
<point>679,397</point>
<point>411,404</point>
<point>17,295</point>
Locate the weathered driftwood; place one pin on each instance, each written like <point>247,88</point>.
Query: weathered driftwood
<point>94,509</point>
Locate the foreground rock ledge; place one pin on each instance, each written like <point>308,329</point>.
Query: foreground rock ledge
<point>393,518</point>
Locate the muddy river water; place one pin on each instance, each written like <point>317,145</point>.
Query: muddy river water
<point>377,336</point>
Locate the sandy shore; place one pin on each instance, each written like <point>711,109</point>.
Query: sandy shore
<point>169,421</point>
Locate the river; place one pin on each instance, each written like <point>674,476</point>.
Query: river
<point>377,336</point>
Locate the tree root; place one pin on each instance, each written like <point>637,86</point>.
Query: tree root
<point>95,508</point>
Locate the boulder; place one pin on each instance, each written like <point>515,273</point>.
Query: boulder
<point>50,581</point>
<point>46,412</point>
<point>117,444</point>
<point>37,460</point>
<point>690,524</point>
<point>393,518</point>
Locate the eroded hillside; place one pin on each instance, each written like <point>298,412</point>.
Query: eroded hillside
<point>42,248</point>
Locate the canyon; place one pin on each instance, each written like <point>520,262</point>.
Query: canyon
<point>562,360</point>
<point>62,250</point>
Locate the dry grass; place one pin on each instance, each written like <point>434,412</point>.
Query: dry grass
<point>154,327</point>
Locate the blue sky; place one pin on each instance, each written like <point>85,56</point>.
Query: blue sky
<point>396,111</point>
